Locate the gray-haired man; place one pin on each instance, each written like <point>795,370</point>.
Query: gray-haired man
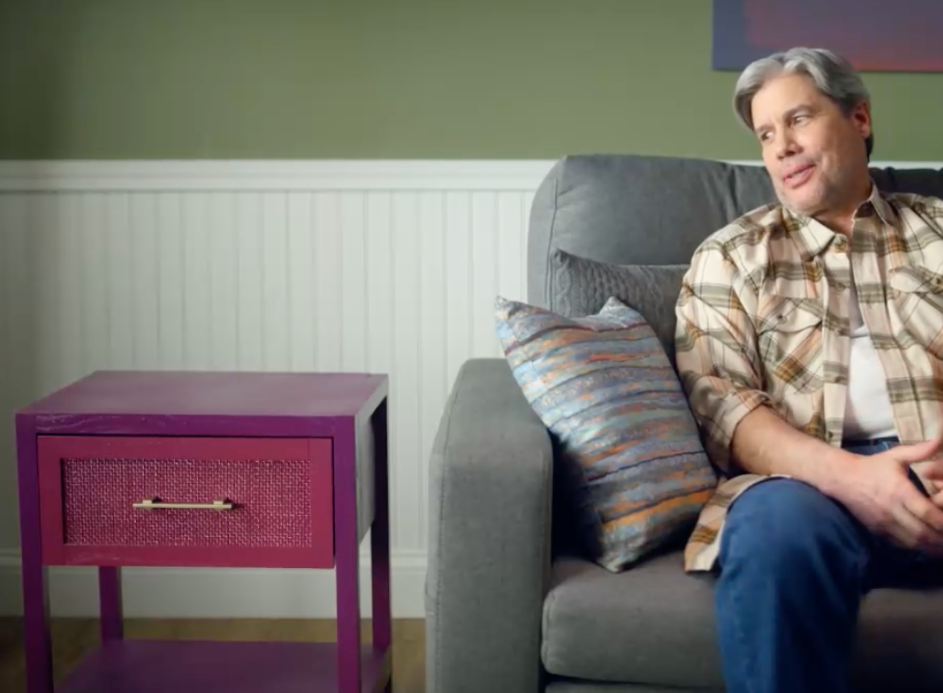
<point>810,342</point>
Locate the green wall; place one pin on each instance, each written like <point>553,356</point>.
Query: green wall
<point>502,79</point>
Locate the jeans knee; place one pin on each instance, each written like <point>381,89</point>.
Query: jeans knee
<point>781,526</point>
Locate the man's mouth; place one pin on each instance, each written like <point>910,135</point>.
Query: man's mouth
<point>798,175</point>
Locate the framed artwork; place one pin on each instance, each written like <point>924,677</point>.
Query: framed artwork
<point>874,35</point>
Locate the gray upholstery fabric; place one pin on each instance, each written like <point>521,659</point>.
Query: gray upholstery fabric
<point>655,625</point>
<point>634,210</point>
<point>651,210</point>
<point>579,286</point>
<point>489,544</point>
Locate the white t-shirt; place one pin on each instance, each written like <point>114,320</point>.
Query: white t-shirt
<point>868,407</point>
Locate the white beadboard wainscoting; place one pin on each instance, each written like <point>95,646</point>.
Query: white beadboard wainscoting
<point>387,267</point>
<point>377,266</point>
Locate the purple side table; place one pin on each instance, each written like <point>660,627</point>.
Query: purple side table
<point>213,469</point>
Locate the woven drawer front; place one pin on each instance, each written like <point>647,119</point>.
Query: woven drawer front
<point>272,503</point>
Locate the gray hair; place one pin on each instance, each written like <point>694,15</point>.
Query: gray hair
<point>833,76</point>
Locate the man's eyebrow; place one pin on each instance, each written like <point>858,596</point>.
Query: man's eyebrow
<point>795,109</point>
<point>758,129</point>
<point>786,116</point>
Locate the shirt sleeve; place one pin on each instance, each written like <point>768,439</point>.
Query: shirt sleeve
<point>715,345</point>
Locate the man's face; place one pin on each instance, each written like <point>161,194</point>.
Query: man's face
<point>814,153</point>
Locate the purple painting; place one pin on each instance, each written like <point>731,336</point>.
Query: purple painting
<point>875,35</point>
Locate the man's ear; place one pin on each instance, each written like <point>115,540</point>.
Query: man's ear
<point>861,117</point>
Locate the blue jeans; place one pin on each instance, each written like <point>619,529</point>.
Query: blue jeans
<point>793,567</point>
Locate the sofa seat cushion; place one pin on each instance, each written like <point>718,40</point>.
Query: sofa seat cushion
<point>654,624</point>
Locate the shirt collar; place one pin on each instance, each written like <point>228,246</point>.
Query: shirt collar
<point>816,237</point>
<point>884,208</point>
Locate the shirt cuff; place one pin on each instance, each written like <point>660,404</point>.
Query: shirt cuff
<point>732,409</point>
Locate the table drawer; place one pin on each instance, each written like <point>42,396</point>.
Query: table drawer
<point>186,501</point>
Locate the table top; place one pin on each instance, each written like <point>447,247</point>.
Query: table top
<point>217,394</point>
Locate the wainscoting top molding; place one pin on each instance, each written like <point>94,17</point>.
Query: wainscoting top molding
<point>238,175</point>
<point>282,175</point>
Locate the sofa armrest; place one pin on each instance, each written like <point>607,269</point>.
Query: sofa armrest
<point>490,491</point>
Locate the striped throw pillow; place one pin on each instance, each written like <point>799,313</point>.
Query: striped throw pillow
<point>621,423</point>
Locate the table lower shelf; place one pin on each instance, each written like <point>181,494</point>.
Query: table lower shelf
<point>196,666</point>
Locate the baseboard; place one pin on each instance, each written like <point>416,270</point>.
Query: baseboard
<point>217,593</point>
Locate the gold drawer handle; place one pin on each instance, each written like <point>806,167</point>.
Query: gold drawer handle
<point>157,504</point>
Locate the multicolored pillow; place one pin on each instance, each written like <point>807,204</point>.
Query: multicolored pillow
<point>620,419</point>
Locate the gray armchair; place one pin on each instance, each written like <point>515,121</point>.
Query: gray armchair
<point>511,605</point>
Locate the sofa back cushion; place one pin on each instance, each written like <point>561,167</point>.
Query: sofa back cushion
<point>655,210</point>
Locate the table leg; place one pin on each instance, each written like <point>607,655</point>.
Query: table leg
<point>36,640</point>
<point>109,598</point>
<point>348,561</point>
<point>380,537</point>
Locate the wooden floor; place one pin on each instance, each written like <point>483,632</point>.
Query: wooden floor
<point>73,638</point>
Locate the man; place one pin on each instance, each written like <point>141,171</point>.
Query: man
<point>810,343</point>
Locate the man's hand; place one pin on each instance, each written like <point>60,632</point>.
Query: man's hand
<point>877,490</point>
<point>933,472</point>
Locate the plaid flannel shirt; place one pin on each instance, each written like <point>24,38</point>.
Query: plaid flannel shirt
<point>763,320</point>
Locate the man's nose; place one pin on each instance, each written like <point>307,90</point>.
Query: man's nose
<point>784,144</point>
